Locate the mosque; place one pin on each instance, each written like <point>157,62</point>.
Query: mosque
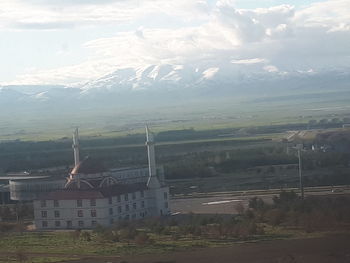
<point>93,195</point>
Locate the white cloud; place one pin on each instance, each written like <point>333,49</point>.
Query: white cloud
<point>248,61</point>
<point>270,68</point>
<point>210,73</point>
<point>68,75</point>
<point>54,14</point>
<point>282,38</point>
<point>324,14</point>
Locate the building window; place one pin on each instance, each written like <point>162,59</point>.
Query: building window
<point>126,197</point>
<point>57,223</point>
<point>142,204</point>
<point>165,195</point>
<point>44,214</point>
<point>81,223</point>
<point>111,211</point>
<point>134,216</point>
<point>69,224</point>
<point>127,217</point>
<point>57,213</point>
<point>79,203</point>
<point>80,213</point>
<point>119,209</point>
<point>133,196</point>
<point>142,194</point>
<point>93,213</point>
<point>43,203</point>
<point>110,200</point>
<point>111,221</point>
<point>93,223</point>
<point>126,207</point>
<point>134,205</point>
<point>166,205</point>
<point>56,203</point>
<point>118,198</point>
<point>92,202</point>
<point>44,223</point>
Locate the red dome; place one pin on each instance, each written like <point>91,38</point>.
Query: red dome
<point>88,166</point>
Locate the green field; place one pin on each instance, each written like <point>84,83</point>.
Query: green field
<point>59,246</point>
<point>219,113</point>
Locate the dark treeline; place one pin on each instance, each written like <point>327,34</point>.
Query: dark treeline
<point>16,156</point>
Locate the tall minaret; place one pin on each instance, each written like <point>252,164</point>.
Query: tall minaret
<point>75,147</point>
<point>153,181</point>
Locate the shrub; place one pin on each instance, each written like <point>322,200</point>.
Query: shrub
<point>142,239</point>
<point>20,227</point>
<point>239,208</point>
<point>109,236</point>
<point>86,236</point>
<point>75,234</point>
<point>285,200</point>
<point>6,227</point>
<point>100,229</point>
<point>257,204</point>
<point>128,233</point>
<point>274,216</point>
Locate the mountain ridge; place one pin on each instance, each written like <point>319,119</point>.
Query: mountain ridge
<point>166,83</point>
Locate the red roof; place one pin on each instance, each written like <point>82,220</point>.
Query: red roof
<point>74,194</point>
<point>71,195</point>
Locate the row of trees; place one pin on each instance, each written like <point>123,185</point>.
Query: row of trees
<point>310,214</point>
<point>195,226</point>
<point>16,212</point>
<point>324,121</point>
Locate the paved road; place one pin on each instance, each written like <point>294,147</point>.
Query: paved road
<point>229,202</point>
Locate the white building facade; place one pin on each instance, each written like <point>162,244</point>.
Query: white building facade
<point>72,209</point>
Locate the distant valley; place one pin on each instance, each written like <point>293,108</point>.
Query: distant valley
<point>159,94</point>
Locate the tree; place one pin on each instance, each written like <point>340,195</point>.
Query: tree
<point>312,122</point>
<point>323,121</point>
<point>239,208</point>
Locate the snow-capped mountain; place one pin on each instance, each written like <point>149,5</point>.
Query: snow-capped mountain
<point>149,77</point>
<point>166,83</point>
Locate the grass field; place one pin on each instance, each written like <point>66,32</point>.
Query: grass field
<point>208,115</point>
<point>59,246</point>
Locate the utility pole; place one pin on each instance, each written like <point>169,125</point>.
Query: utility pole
<point>299,147</point>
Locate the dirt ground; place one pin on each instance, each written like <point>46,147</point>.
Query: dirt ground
<point>210,205</point>
<point>332,248</point>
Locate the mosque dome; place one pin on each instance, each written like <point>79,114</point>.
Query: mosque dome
<point>88,166</point>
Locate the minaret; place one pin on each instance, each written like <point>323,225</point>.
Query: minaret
<point>75,147</point>
<point>153,181</point>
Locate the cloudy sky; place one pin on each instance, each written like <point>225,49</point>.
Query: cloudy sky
<point>73,41</point>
